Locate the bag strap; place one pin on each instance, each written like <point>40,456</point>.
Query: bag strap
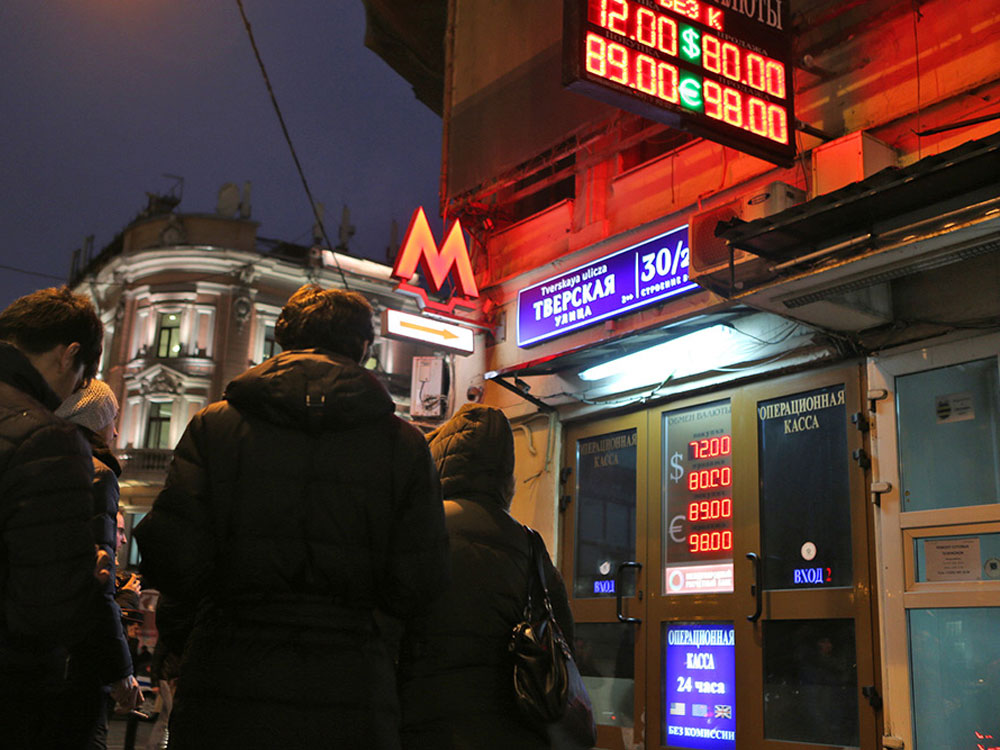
<point>537,547</point>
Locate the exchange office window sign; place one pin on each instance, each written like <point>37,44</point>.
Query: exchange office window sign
<point>722,71</point>
<point>805,490</point>
<point>629,279</point>
<point>699,675</point>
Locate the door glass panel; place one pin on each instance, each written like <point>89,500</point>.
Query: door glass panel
<point>699,677</point>
<point>605,512</point>
<point>810,681</point>
<point>955,672</point>
<point>805,510</point>
<point>967,557</point>
<point>605,656</point>
<point>697,499</point>
<point>948,448</point>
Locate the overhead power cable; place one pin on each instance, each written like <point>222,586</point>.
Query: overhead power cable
<point>288,140</point>
<point>33,273</point>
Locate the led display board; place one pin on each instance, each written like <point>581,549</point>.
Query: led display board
<point>720,69</point>
<point>637,276</point>
<point>698,500</point>
<point>699,669</point>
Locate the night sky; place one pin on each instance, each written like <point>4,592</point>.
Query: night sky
<point>102,98</point>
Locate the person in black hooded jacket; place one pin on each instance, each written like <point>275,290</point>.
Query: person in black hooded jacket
<point>291,511</point>
<point>456,675</point>
<point>50,344</point>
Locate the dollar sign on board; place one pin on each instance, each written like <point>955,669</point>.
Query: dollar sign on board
<point>690,38</point>
<point>676,469</point>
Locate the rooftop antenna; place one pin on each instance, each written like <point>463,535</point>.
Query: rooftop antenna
<point>320,213</point>
<point>393,249</point>
<point>346,230</point>
<point>177,189</point>
<point>228,202</point>
<point>245,201</point>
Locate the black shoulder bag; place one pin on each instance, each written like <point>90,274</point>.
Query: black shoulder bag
<point>547,684</point>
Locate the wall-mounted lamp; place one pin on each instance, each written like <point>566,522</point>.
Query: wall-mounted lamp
<point>700,351</point>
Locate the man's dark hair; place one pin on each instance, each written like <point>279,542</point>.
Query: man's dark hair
<point>40,321</point>
<point>332,319</point>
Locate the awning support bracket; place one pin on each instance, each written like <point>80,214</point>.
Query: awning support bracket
<point>521,389</point>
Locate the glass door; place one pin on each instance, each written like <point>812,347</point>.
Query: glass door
<point>717,553</point>
<point>806,666</point>
<point>602,561</point>
<point>937,460</point>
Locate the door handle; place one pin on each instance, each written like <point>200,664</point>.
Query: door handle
<point>618,591</point>
<point>756,589</point>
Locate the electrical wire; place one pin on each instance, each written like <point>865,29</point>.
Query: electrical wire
<point>917,15</point>
<point>32,273</point>
<point>288,140</point>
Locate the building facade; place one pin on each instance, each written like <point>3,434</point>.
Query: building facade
<point>756,401</point>
<point>189,301</point>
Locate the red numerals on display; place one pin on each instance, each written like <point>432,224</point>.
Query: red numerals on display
<point>743,66</point>
<point>710,541</point>
<point>614,14</point>
<point>711,447</point>
<point>665,36</point>
<point>710,510</point>
<point>709,479</point>
<point>618,63</point>
<point>744,111</point>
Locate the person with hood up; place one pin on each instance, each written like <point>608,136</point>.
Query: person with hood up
<point>456,675</point>
<point>293,510</point>
<point>101,664</point>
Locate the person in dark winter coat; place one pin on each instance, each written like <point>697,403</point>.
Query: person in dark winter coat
<point>291,511</point>
<point>50,343</point>
<point>456,676</point>
<point>101,664</point>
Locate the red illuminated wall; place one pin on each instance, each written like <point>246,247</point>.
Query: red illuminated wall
<point>507,109</point>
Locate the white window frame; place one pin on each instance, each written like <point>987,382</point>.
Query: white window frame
<point>264,316</point>
<point>895,530</point>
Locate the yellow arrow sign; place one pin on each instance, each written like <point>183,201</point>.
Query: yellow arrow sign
<point>445,333</point>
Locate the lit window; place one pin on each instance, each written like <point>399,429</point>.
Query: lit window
<point>158,426</point>
<point>271,347</point>
<point>168,338</point>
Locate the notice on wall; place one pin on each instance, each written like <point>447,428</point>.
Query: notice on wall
<point>952,559</point>
<point>698,691</point>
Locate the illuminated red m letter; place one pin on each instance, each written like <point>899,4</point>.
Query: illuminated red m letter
<point>419,247</point>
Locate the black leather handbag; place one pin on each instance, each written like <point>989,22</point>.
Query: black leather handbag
<point>547,684</point>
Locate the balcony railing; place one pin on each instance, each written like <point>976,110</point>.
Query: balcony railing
<point>144,464</point>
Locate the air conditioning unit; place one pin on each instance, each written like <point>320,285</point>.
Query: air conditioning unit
<point>710,255</point>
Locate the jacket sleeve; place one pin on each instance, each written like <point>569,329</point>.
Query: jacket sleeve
<point>176,538</point>
<point>47,542</point>
<point>115,659</point>
<point>418,568</point>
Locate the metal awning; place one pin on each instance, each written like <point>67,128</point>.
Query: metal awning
<point>880,204</point>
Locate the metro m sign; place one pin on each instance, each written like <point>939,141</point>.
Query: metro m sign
<point>420,248</point>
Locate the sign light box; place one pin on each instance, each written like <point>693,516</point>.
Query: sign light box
<point>698,690</point>
<point>400,325</point>
<point>698,499</point>
<point>626,280</point>
<point>723,73</point>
